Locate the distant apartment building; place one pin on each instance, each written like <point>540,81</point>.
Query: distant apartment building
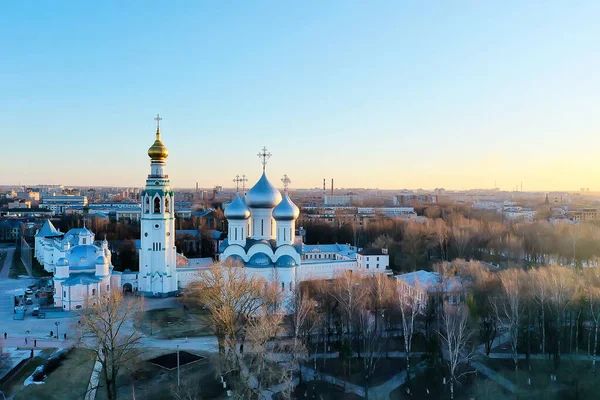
<point>408,199</point>
<point>516,213</point>
<point>339,199</point>
<point>583,214</point>
<point>60,203</point>
<point>19,204</point>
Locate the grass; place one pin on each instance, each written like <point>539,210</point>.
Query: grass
<point>319,390</point>
<point>17,268</point>
<point>38,270</point>
<point>2,257</point>
<point>429,385</point>
<point>75,370</point>
<point>150,382</point>
<point>170,323</point>
<point>573,378</point>
<point>384,369</point>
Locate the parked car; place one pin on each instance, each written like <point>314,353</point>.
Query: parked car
<point>42,315</point>
<point>28,292</point>
<point>36,311</point>
<point>28,301</point>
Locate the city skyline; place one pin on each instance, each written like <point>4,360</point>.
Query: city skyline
<point>455,96</point>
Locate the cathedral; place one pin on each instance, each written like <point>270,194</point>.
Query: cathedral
<point>261,238</point>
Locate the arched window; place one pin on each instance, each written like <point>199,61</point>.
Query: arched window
<point>284,230</point>
<point>157,205</point>
<point>167,209</point>
<point>147,204</point>
<point>282,286</point>
<point>93,292</point>
<point>262,227</point>
<point>236,234</point>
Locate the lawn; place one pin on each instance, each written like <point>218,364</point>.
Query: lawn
<point>319,390</point>
<point>76,369</point>
<point>429,385</point>
<point>151,382</point>
<point>384,369</point>
<point>2,257</point>
<point>573,378</point>
<point>17,268</point>
<point>171,323</point>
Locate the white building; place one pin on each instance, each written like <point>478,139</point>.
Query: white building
<point>60,203</point>
<point>261,239</point>
<point>80,268</point>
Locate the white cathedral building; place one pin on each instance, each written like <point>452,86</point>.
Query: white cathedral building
<point>261,239</point>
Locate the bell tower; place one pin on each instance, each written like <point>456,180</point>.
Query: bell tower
<point>158,275</point>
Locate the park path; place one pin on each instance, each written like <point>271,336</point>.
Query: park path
<point>7,263</point>
<point>94,379</point>
<point>494,376</point>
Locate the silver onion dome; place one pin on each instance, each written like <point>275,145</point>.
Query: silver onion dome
<point>286,210</point>
<point>237,209</point>
<point>62,262</point>
<point>263,194</point>
<point>101,260</point>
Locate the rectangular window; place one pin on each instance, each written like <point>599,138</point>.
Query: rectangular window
<point>64,293</point>
<point>83,240</point>
<point>284,230</point>
<point>262,227</point>
<point>235,233</point>
<point>377,258</point>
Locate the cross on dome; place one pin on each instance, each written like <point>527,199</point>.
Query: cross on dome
<point>244,180</point>
<point>265,156</point>
<point>286,182</point>
<point>158,119</point>
<point>237,181</point>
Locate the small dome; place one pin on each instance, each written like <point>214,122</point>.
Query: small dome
<point>234,259</point>
<point>237,209</point>
<point>285,261</point>
<point>62,262</point>
<point>101,260</point>
<point>263,194</point>
<point>83,255</point>
<point>158,151</point>
<point>260,260</point>
<point>286,210</point>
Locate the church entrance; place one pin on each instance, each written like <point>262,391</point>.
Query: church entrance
<point>127,288</point>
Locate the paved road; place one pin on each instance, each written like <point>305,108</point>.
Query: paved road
<point>7,263</point>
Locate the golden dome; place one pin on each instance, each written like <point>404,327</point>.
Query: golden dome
<point>158,151</point>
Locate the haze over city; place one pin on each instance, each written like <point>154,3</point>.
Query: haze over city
<point>456,95</point>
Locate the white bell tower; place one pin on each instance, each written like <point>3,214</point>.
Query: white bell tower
<point>158,274</point>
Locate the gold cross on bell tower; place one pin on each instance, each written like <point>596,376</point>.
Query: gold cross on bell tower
<point>286,182</point>
<point>265,156</point>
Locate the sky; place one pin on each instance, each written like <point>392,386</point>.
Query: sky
<point>385,94</point>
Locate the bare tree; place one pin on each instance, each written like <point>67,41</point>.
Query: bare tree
<point>562,286</point>
<point>539,284</point>
<point>455,335</point>
<point>372,344</point>
<point>410,303</point>
<point>238,304</point>
<point>103,329</point>
<point>591,290</point>
<point>509,306</point>
<point>303,322</point>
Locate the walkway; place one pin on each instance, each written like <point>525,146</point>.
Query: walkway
<point>494,376</point>
<point>7,263</point>
<point>94,379</point>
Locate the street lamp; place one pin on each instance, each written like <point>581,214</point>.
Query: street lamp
<point>57,324</point>
<point>177,365</point>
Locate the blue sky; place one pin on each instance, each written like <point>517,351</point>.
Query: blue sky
<point>374,94</point>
